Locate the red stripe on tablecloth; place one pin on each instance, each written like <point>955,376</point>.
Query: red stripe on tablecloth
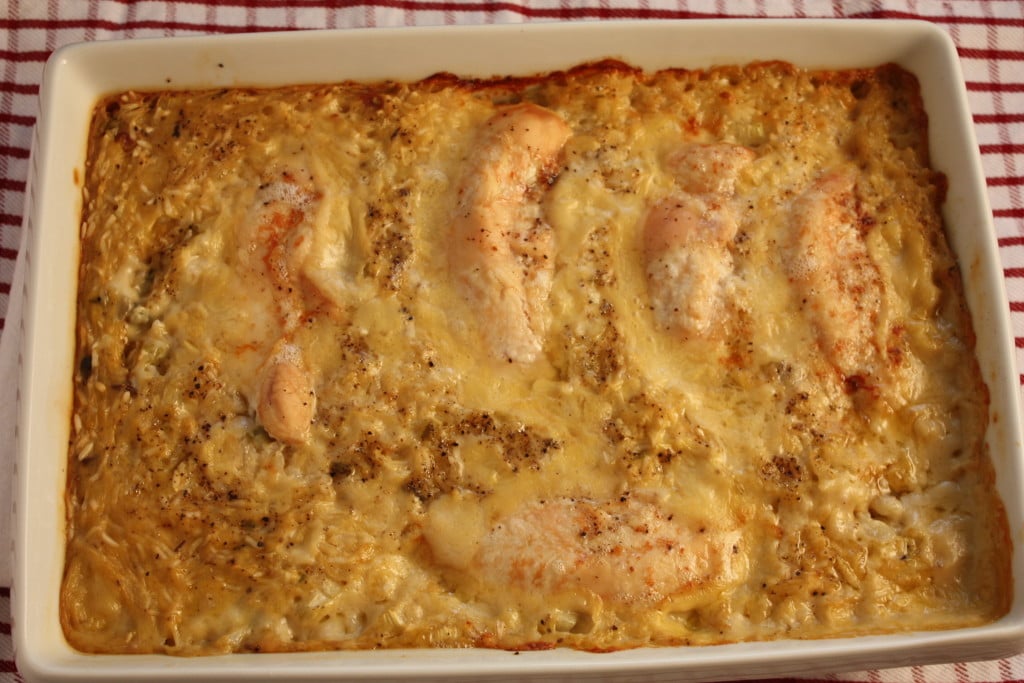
<point>20,88</point>
<point>563,12</point>
<point>999,118</point>
<point>1002,181</point>
<point>11,184</point>
<point>1005,673</point>
<point>130,17</point>
<point>991,53</point>
<point>6,253</point>
<point>1013,272</point>
<point>987,86</point>
<point>996,73</point>
<point>17,120</point>
<point>91,17</point>
<point>1011,241</point>
<point>16,152</point>
<point>6,665</point>
<point>121,27</point>
<point>7,94</point>
<point>28,56</point>
<point>1003,148</point>
<point>1017,306</point>
<point>1016,212</point>
<point>9,219</point>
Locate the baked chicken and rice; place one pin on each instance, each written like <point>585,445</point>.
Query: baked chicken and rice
<point>597,359</point>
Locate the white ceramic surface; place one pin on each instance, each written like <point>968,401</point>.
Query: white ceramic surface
<point>77,76</point>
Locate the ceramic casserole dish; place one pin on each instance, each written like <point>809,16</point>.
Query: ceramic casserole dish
<point>76,77</point>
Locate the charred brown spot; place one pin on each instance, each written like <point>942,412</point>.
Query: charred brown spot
<point>784,470</point>
<point>856,383</point>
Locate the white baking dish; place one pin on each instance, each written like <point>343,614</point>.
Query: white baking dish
<point>78,75</point>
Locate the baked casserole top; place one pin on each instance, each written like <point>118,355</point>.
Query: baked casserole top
<point>597,358</point>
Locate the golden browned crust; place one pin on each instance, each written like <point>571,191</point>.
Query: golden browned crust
<point>844,498</point>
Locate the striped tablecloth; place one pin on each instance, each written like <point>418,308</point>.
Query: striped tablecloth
<point>989,35</point>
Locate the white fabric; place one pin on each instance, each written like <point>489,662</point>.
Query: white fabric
<point>10,344</point>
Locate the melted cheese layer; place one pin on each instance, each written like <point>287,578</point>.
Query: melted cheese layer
<point>290,432</point>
